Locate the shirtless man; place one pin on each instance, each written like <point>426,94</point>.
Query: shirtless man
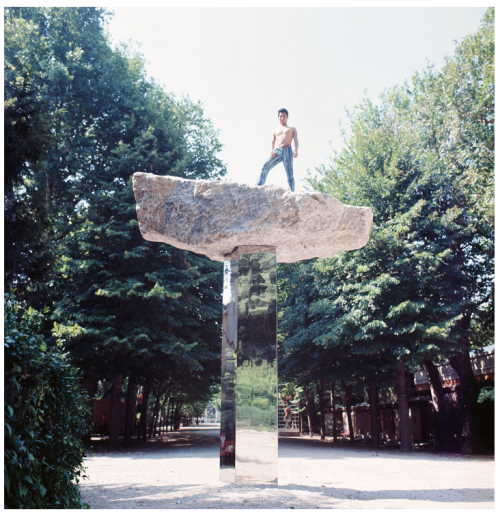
<point>281,150</point>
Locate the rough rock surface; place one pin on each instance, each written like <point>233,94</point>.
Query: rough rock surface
<point>215,217</point>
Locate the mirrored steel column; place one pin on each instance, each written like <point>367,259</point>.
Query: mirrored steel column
<point>256,385</point>
<point>228,373</point>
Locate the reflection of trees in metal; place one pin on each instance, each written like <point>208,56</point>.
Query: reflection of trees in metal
<point>256,398</point>
<point>256,388</point>
<point>257,307</point>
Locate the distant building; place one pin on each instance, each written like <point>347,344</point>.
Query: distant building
<point>483,366</point>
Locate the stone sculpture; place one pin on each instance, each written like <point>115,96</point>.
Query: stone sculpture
<point>250,228</point>
<point>215,217</point>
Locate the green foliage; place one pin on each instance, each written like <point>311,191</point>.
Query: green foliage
<point>47,81</point>
<point>485,419</point>
<point>288,389</point>
<point>256,396</point>
<point>45,417</point>
<point>195,409</point>
<point>119,304</point>
<point>423,160</point>
<point>215,396</point>
<point>28,129</point>
<point>486,394</point>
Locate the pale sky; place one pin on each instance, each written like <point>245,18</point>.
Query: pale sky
<point>244,64</point>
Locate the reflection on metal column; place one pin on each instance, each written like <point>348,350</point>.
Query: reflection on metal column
<point>256,385</point>
<point>228,373</point>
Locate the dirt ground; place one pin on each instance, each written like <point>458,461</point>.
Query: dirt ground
<point>183,473</point>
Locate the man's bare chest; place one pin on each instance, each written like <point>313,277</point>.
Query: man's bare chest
<point>284,132</point>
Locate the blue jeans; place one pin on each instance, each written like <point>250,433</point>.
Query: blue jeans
<point>285,155</point>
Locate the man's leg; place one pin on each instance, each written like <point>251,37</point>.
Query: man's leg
<point>268,165</point>
<point>288,164</point>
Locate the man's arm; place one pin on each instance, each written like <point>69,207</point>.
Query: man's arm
<point>272,144</point>
<point>295,137</point>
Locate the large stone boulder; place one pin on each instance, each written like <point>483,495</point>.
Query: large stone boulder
<point>215,217</point>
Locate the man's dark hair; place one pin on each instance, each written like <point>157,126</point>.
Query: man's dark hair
<point>282,110</point>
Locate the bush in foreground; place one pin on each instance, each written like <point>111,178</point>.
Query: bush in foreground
<point>45,418</point>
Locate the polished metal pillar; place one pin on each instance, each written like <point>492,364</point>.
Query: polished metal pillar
<point>249,369</point>
<point>257,373</point>
<point>228,373</point>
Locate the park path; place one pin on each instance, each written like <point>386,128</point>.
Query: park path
<point>183,473</point>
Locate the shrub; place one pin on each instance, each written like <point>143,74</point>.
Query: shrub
<point>485,415</point>
<point>486,394</point>
<point>45,417</point>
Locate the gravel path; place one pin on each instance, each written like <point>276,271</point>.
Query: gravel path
<point>183,473</point>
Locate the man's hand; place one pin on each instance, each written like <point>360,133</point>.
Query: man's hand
<point>273,141</point>
<point>295,154</point>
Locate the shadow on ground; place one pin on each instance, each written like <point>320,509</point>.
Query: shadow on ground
<point>204,440</point>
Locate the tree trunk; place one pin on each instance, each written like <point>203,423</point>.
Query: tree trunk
<point>169,406</point>
<point>177,415</point>
<point>129,413</point>
<point>114,417</point>
<point>89,383</point>
<point>162,429</point>
<point>403,410</point>
<point>347,402</point>
<point>441,416</point>
<point>165,406</point>
<point>311,412</point>
<point>172,414</point>
<point>470,392</point>
<point>152,430</point>
<point>332,401</point>
<point>437,391</point>
<point>320,391</point>
<point>469,388</point>
<point>372,393</point>
<point>142,434</point>
<point>151,421</point>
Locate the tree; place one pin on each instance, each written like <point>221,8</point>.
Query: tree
<point>463,144</point>
<point>29,133</point>
<point>123,307</point>
<point>422,284</point>
<point>421,289</point>
<point>195,409</point>
<point>307,354</point>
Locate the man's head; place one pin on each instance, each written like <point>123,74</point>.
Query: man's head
<point>283,115</point>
